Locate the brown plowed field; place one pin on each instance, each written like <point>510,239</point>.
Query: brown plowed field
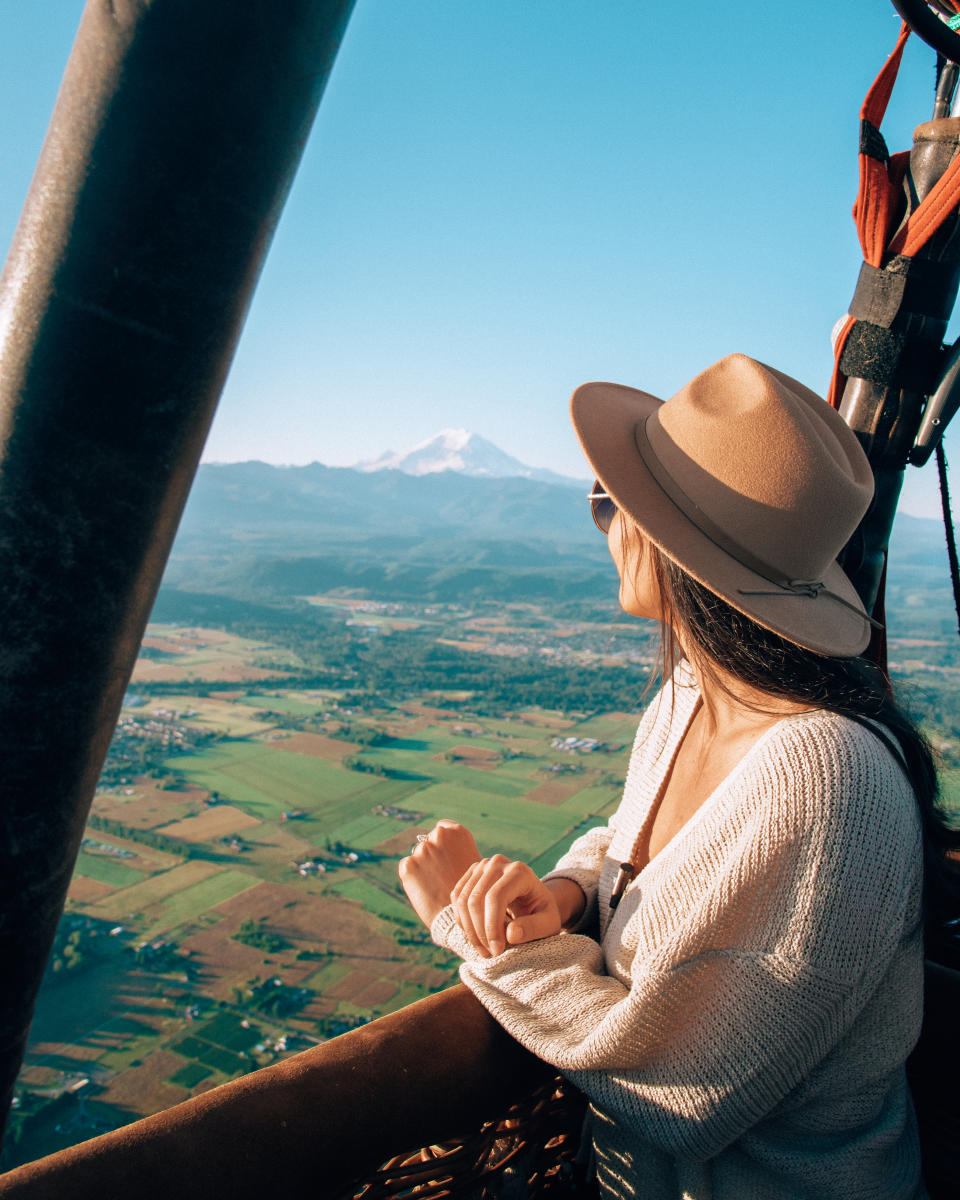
<point>291,846</point>
<point>149,806</point>
<point>256,902</point>
<point>222,957</point>
<point>213,823</point>
<point>470,645</point>
<point>377,993</point>
<point>317,746</point>
<point>167,645</point>
<point>142,1089</point>
<point>307,919</point>
<point>341,924</point>
<point>148,671</point>
<point>554,792</point>
<point>473,756</point>
<point>402,843</point>
<point>351,986</point>
<point>86,891</point>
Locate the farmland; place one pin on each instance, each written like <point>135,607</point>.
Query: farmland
<point>236,898</point>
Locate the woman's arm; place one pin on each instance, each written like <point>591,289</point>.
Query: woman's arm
<point>434,867</point>
<point>447,864</point>
<point>745,961</point>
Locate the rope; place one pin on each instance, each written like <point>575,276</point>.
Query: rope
<point>948,528</point>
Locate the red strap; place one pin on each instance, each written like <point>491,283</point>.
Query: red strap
<point>875,103</point>
<point>876,196</point>
<point>940,203</point>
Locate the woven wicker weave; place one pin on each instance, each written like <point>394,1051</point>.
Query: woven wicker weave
<point>528,1153</point>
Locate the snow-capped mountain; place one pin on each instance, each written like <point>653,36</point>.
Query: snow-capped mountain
<point>465,452</point>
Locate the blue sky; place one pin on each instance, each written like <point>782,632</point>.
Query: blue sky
<point>504,198</point>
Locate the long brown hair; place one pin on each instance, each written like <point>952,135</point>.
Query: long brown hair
<point>713,632</point>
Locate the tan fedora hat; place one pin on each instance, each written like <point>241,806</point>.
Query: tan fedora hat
<point>747,480</point>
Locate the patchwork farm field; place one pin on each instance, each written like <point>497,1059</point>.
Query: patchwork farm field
<point>236,898</point>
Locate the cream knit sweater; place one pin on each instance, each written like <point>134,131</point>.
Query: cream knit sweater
<point>742,1023</point>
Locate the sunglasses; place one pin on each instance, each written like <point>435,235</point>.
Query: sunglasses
<point>602,506</point>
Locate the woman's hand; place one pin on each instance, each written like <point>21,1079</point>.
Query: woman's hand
<point>434,867</point>
<point>501,903</point>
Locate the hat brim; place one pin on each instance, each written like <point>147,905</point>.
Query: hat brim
<point>605,417</point>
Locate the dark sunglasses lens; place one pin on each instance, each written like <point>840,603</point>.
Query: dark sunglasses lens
<point>603,511</point>
<point>602,508</point>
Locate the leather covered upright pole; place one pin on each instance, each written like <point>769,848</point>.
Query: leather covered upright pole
<point>893,357</point>
<point>172,147</point>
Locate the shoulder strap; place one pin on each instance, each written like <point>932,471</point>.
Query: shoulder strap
<point>882,734</point>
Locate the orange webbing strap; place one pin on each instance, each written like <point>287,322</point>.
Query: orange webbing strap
<point>875,195</point>
<point>938,205</point>
<point>881,178</point>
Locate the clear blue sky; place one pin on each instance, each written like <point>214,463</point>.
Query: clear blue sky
<point>504,198</point>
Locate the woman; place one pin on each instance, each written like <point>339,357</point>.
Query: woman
<point>732,969</point>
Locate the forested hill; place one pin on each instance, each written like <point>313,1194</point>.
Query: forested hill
<point>261,532</point>
<point>256,499</point>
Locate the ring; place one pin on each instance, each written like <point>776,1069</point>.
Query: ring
<point>421,837</point>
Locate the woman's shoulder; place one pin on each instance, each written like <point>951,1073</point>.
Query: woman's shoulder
<point>834,742</point>
<point>831,769</point>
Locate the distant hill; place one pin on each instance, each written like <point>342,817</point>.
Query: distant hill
<point>254,498</point>
<point>260,533</point>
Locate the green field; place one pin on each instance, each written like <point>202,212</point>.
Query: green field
<point>602,799</point>
<point>215,1057</point>
<point>192,902</point>
<point>327,976</point>
<point>617,728</point>
<point>226,1030</point>
<point>190,1075</point>
<point>373,899</point>
<point>500,824</point>
<point>367,831</point>
<point>547,860</point>
<point>106,869</point>
<point>280,704</point>
<point>265,781</point>
<point>158,887</point>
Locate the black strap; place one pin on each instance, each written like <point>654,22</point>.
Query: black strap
<point>872,143</point>
<point>948,527</point>
<point>882,734</point>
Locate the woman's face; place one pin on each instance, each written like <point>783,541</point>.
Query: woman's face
<point>630,551</point>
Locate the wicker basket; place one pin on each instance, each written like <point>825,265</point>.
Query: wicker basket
<point>531,1151</point>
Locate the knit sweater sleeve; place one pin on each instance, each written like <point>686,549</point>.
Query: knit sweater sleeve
<point>583,863</point>
<point>782,910</point>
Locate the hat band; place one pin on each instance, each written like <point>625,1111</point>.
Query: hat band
<point>722,540</point>
<point>695,514</point>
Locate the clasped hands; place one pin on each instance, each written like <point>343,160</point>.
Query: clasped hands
<point>498,902</point>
